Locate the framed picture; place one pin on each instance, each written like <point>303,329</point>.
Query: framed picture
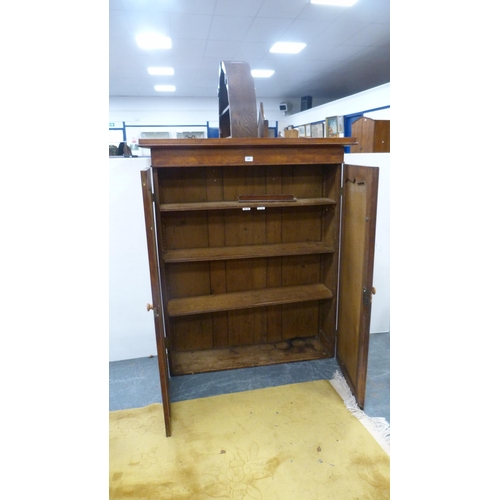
<point>340,125</point>
<point>331,125</point>
<point>308,130</point>
<point>190,135</point>
<point>302,130</point>
<point>318,129</point>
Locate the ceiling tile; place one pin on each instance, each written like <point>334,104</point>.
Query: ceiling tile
<point>229,28</point>
<point>346,48</point>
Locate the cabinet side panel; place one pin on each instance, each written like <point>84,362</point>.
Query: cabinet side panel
<point>357,133</point>
<point>381,139</point>
<point>368,135</point>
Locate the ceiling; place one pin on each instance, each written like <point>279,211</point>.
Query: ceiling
<point>348,48</point>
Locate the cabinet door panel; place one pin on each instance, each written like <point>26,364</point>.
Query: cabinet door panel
<point>154,270</point>
<point>359,201</point>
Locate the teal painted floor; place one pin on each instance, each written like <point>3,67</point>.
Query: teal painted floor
<point>135,383</point>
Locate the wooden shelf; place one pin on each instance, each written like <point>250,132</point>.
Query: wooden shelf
<point>231,205</point>
<point>210,360</point>
<point>246,252</point>
<point>248,299</point>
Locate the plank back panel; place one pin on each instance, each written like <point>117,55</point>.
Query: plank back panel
<point>244,227</point>
<point>300,320</point>
<point>244,327</point>
<point>189,279</point>
<point>244,181</point>
<point>301,224</point>
<point>192,332</point>
<point>178,185</point>
<point>300,270</point>
<point>186,230</point>
<point>303,181</point>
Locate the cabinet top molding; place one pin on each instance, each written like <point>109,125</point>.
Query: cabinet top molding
<point>239,152</point>
<point>246,141</point>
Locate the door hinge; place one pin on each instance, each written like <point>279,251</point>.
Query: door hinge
<point>367,295</point>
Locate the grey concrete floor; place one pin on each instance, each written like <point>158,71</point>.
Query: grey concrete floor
<point>135,383</point>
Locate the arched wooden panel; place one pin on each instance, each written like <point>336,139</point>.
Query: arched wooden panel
<point>237,101</point>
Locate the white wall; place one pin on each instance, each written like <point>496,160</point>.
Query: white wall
<point>179,110</point>
<point>377,97</point>
<point>131,327</point>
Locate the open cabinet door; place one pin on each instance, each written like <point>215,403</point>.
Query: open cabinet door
<point>147,194</point>
<point>357,243</point>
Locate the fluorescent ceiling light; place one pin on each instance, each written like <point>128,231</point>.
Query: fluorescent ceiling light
<point>262,73</point>
<point>336,3</point>
<point>287,47</point>
<point>153,41</point>
<point>161,71</point>
<point>165,88</point>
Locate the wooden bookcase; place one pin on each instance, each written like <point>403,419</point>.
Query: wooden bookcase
<point>243,238</point>
<point>374,136</point>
